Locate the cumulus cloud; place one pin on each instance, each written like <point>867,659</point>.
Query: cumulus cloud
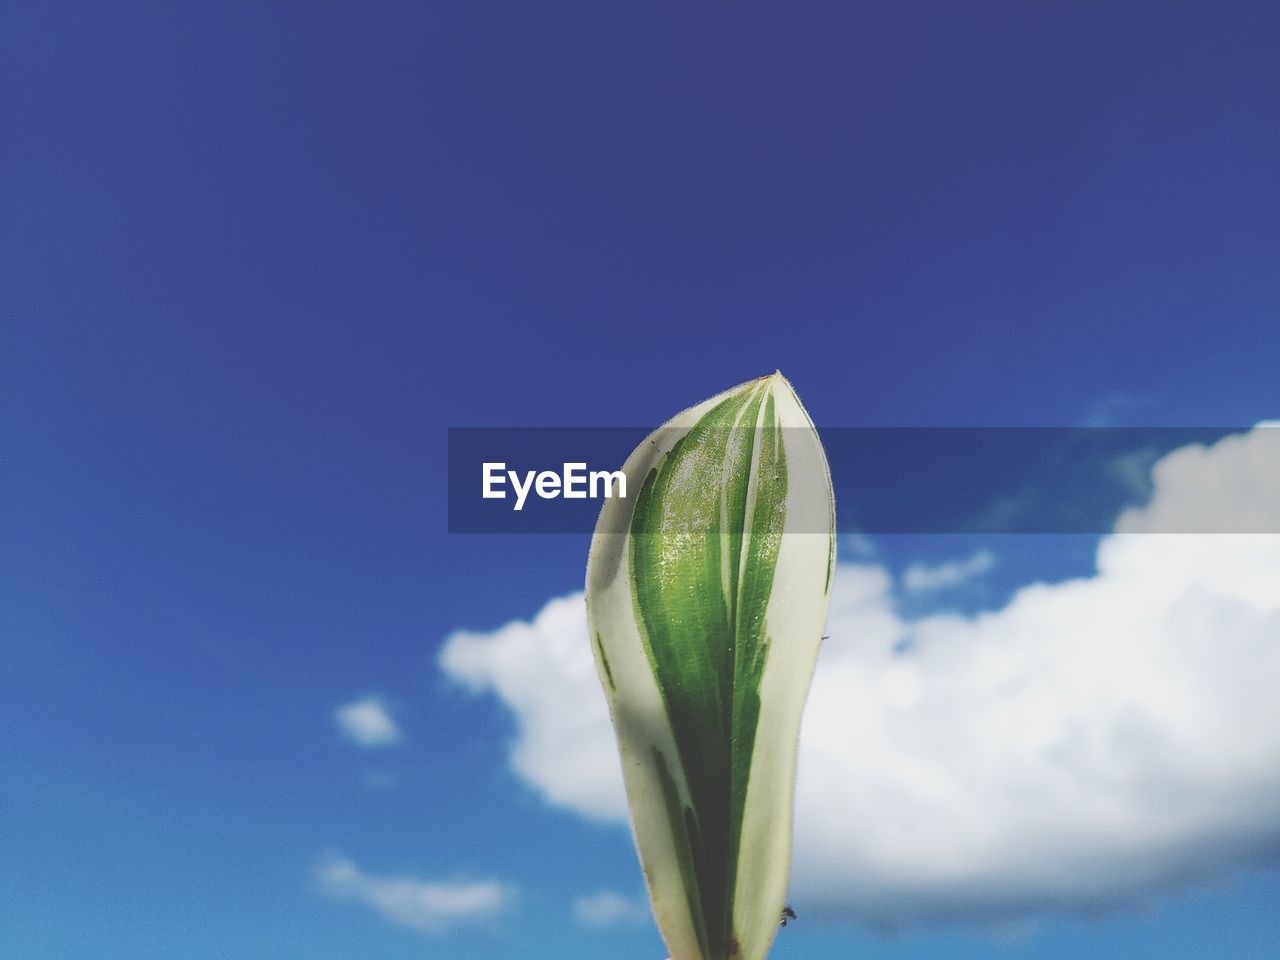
<point>607,908</point>
<point>367,722</point>
<point>1092,743</point>
<point>1232,486</point>
<point>919,577</point>
<point>423,905</point>
<point>565,747</point>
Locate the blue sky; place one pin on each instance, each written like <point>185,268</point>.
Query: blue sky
<point>253,263</point>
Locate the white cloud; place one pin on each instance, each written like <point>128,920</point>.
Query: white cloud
<point>1230,487</point>
<point>367,722</point>
<point>543,670</point>
<point>608,908</point>
<point>424,905</point>
<point>919,577</point>
<point>1092,743</point>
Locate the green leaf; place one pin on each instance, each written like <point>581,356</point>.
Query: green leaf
<point>707,594</point>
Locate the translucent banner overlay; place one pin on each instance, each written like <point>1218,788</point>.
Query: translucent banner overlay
<point>909,479</point>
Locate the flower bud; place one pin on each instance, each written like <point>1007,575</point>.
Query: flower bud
<point>707,595</point>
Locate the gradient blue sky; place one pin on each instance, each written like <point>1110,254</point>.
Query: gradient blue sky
<point>255,258</point>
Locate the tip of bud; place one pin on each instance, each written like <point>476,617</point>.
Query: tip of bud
<point>776,380</point>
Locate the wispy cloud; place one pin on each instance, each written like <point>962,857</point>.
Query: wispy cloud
<point>377,778</point>
<point>607,908</point>
<point>1133,470</point>
<point>367,722</point>
<point>429,906</point>
<point>859,545</point>
<point>1092,742</point>
<point>919,578</point>
<point>1116,409</point>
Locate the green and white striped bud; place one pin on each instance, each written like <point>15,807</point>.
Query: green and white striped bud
<point>707,595</point>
